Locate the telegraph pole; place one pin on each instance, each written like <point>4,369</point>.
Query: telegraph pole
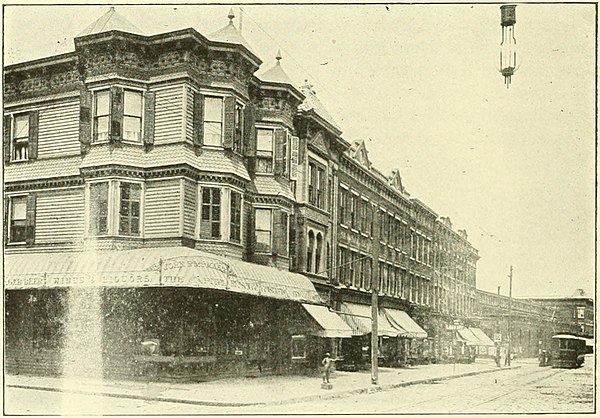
<point>509,316</point>
<point>375,299</point>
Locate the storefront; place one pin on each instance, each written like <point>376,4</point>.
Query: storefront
<point>167,313</point>
<point>401,339</point>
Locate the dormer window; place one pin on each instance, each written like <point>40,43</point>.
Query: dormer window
<point>264,150</point>
<point>213,121</point>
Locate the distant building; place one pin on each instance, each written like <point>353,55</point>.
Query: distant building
<point>530,322</point>
<point>571,315</point>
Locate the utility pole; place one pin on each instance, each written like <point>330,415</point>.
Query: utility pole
<point>509,316</point>
<point>375,298</point>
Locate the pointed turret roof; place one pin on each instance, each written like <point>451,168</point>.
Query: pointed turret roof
<point>111,20</point>
<point>276,74</point>
<point>230,34</point>
<point>311,102</point>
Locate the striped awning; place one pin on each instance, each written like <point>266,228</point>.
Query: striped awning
<point>358,317</point>
<point>154,267</point>
<point>468,336</point>
<point>402,320</point>
<point>332,326</point>
<point>482,337</point>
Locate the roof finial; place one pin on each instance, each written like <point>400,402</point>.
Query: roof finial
<point>278,57</point>
<point>231,16</point>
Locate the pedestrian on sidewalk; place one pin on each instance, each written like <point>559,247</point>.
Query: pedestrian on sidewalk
<point>327,363</point>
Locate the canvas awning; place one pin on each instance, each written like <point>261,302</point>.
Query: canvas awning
<point>358,317</point>
<point>468,336</point>
<point>402,320</point>
<point>482,337</point>
<point>154,267</point>
<point>332,326</point>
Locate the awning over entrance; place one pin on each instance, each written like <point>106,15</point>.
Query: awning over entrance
<point>402,320</point>
<point>359,319</point>
<point>332,325</point>
<point>154,267</point>
<point>468,336</point>
<point>482,337</point>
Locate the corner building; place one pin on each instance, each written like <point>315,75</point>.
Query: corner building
<point>177,213</point>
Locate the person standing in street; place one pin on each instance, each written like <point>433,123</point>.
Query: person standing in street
<point>327,364</point>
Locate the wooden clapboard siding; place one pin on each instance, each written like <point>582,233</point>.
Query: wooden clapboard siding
<point>189,115</point>
<point>168,115</point>
<point>59,216</point>
<point>162,209</point>
<point>58,134</point>
<point>190,204</point>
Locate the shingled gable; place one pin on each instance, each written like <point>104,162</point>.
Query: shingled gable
<point>230,34</point>
<point>110,21</point>
<point>313,106</point>
<point>277,77</point>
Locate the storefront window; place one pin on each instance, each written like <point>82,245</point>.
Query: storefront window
<point>298,347</point>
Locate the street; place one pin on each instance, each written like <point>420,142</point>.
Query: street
<point>528,389</point>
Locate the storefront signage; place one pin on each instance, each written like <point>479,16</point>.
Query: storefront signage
<point>146,278</point>
<point>185,271</point>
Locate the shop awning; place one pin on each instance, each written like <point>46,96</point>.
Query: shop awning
<point>482,337</point>
<point>402,320</point>
<point>358,317</point>
<point>332,325</point>
<point>154,267</point>
<point>468,336</point>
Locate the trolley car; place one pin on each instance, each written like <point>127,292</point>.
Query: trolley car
<point>568,351</point>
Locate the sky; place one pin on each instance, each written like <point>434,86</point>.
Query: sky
<point>419,83</point>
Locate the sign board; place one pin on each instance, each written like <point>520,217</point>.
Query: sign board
<point>497,337</point>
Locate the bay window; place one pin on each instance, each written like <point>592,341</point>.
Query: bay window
<point>210,224</point>
<point>264,150</point>
<point>263,230</point>
<point>213,121</point>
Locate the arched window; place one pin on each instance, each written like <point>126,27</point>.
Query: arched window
<point>318,253</point>
<point>309,251</point>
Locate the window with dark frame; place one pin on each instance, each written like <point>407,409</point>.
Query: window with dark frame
<point>298,347</point>
<point>98,208</point>
<point>284,233</point>
<point>235,223</point>
<point>18,219</point>
<point>264,150</point>
<point>129,208</point>
<point>213,121</point>
<point>263,230</point>
<point>101,115</point>
<point>132,116</point>
<point>239,127</point>
<point>20,138</point>
<point>211,213</point>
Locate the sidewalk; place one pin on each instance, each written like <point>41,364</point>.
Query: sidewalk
<point>268,390</point>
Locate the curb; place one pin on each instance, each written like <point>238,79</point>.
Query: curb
<point>383,388</point>
<point>241,404</point>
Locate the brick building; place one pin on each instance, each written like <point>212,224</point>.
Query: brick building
<point>167,190</point>
<point>571,315</point>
